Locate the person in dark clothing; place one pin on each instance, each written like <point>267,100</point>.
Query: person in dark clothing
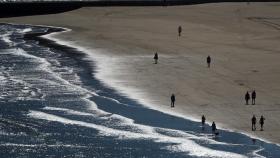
<point>208,60</point>
<point>262,122</point>
<point>254,97</point>
<point>254,120</point>
<point>179,31</point>
<point>214,127</point>
<point>247,97</point>
<point>172,100</point>
<point>156,58</point>
<point>203,120</point>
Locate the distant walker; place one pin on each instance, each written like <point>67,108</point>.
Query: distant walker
<point>203,119</point>
<point>262,122</point>
<point>156,58</point>
<point>247,98</point>
<point>179,31</point>
<point>254,97</point>
<point>172,100</point>
<point>254,120</point>
<point>208,60</point>
<point>214,128</point>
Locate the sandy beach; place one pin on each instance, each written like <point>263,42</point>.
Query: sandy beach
<point>243,41</point>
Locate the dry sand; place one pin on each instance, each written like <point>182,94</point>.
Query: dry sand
<point>243,41</point>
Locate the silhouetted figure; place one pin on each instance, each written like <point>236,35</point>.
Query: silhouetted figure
<point>253,97</point>
<point>172,100</point>
<point>214,127</point>
<point>208,60</point>
<point>203,120</point>
<point>179,31</point>
<point>262,122</point>
<point>156,58</point>
<point>247,97</point>
<point>254,120</point>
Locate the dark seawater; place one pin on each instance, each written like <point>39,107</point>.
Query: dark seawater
<point>51,105</point>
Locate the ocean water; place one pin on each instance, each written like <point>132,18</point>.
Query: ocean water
<point>51,105</point>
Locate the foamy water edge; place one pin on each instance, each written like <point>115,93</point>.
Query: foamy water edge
<point>101,71</point>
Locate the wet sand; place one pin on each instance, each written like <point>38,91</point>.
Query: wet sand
<point>243,41</point>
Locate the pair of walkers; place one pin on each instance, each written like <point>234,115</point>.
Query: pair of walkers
<point>208,59</point>
<point>253,96</point>
<point>213,126</point>
<point>254,121</point>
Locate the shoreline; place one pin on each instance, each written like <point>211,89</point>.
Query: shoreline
<point>182,135</point>
<point>52,36</point>
<point>154,100</point>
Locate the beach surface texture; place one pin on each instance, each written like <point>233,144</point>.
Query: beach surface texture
<point>242,40</point>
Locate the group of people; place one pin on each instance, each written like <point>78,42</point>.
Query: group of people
<point>254,121</point>
<point>208,59</point>
<point>253,96</point>
<point>203,119</point>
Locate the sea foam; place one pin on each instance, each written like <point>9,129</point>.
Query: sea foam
<point>181,145</point>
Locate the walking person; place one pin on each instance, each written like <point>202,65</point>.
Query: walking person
<point>172,100</point>
<point>214,128</point>
<point>254,97</point>
<point>203,119</point>
<point>208,60</point>
<point>179,31</point>
<point>247,97</point>
<point>254,120</point>
<point>156,58</point>
<point>262,122</point>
